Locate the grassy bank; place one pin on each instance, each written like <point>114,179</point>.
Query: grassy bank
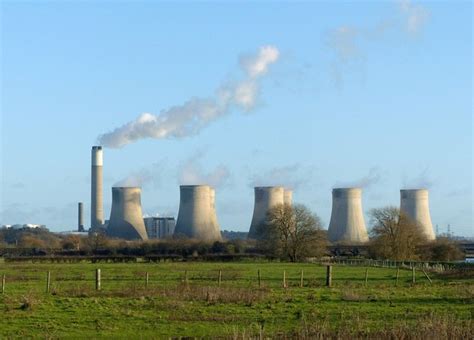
<point>170,305</point>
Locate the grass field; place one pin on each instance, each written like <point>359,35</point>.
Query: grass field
<point>126,308</point>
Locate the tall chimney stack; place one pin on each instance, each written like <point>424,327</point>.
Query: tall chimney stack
<point>97,210</point>
<point>80,217</point>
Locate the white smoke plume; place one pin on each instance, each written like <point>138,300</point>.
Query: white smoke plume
<point>189,118</point>
<point>373,177</point>
<point>192,173</point>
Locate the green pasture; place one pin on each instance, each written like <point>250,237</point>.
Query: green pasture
<point>186,299</point>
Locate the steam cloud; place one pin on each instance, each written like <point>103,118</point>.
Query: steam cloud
<point>192,173</point>
<point>142,177</point>
<point>290,176</point>
<point>373,177</point>
<point>196,113</point>
<point>421,181</point>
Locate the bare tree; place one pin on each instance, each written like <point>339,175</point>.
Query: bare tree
<point>291,232</point>
<point>394,235</point>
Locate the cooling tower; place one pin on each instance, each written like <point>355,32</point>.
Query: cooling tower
<point>97,211</point>
<point>347,220</point>
<point>80,217</point>
<point>212,198</point>
<point>126,218</point>
<point>415,204</point>
<point>288,196</point>
<point>265,199</point>
<point>197,215</point>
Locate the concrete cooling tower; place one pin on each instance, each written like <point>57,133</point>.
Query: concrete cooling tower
<point>347,220</point>
<point>415,204</point>
<point>265,199</point>
<point>126,218</point>
<point>288,196</point>
<point>97,210</point>
<point>212,197</point>
<point>197,215</point>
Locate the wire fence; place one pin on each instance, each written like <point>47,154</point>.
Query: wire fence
<point>318,276</point>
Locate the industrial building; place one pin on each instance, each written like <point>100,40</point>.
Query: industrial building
<point>159,227</point>
<point>347,219</point>
<point>197,216</point>
<point>265,199</point>
<point>415,204</point>
<point>126,218</point>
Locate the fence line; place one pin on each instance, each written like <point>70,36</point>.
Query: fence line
<point>328,277</point>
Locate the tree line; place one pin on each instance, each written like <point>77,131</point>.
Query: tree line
<point>290,233</point>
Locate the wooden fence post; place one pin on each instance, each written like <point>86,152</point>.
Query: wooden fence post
<point>220,277</point>
<point>3,283</point>
<point>366,276</point>
<point>301,280</point>
<point>284,279</point>
<point>48,281</point>
<point>398,274</point>
<point>259,279</point>
<point>97,279</point>
<point>426,275</point>
<point>413,275</point>
<point>147,279</point>
<point>328,276</point>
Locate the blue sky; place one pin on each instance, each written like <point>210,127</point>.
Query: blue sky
<point>377,94</point>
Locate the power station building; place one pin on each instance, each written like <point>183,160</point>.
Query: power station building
<point>197,216</point>
<point>265,199</point>
<point>126,218</point>
<point>415,204</point>
<point>159,227</point>
<point>347,219</point>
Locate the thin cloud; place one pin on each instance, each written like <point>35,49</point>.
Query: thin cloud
<point>346,41</point>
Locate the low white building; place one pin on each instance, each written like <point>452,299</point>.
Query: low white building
<point>27,226</point>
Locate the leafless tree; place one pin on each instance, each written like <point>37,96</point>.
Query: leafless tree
<point>394,235</point>
<point>292,232</point>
